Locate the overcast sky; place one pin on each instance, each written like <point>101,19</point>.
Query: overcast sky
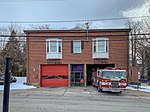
<point>63,10</point>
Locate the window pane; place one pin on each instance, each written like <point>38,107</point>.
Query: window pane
<point>101,46</point>
<point>94,45</point>
<point>76,43</point>
<point>76,50</point>
<point>53,46</point>
<point>106,45</point>
<point>77,46</point>
<point>59,46</point>
<point>47,46</point>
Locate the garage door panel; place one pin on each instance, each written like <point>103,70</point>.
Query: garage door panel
<point>54,75</point>
<point>54,82</point>
<point>50,70</point>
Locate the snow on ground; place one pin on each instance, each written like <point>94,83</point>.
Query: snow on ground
<point>19,84</point>
<point>20,80</point>
<point>141,88</point>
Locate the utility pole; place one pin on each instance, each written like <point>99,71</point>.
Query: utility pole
<point>6,86</point>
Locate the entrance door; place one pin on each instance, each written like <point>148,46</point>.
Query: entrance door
<point>77,75</point>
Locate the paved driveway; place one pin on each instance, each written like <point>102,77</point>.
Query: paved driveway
<point>77,99</point>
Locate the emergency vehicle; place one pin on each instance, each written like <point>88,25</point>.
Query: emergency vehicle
<point>109,79</point>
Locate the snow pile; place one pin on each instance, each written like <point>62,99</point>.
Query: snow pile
<point>18,85</point>
<point>141,88</point>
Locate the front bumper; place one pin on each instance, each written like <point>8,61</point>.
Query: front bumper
<point>114,89</point>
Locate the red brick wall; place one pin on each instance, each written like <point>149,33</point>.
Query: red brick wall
<point>36,50</point>
<point>133,77</point>
<point>36,55</point>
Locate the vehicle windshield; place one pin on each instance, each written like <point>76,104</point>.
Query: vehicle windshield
<point>114,74</point>
<point>120,74</point>
<point>107,74</point>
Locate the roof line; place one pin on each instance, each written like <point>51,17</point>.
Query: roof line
<point>78,31</point>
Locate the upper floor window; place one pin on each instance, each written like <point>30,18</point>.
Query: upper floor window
<point>54,45</point>
<point>100,45</point>
<point>76,46</point>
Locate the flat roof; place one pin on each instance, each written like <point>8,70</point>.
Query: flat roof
<point>78,31</point>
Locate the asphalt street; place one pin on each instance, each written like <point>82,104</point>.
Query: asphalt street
<point>76,99</point>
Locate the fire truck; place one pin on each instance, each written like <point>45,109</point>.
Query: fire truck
<point>109,79</point>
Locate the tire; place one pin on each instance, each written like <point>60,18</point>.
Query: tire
<point>93,84</point>
<point>120,92</point>
<point>99,89</point>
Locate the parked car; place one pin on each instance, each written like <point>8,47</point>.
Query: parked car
<point>1,80</point>
<point>12,79</point>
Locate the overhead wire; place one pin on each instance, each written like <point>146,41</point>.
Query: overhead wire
<point>82,38</point>
<point>100,35</point>
<point>20,1</point>
<point>79,20</point>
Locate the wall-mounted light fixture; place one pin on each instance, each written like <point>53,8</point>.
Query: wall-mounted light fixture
<point>34,70</point>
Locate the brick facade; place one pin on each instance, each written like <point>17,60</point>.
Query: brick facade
<point>36,49</point>
<point>133,75</point>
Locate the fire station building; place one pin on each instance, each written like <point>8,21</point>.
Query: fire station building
<point>67,57</point>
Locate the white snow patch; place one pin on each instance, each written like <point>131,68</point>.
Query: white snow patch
<point>18,85</point>
<point>141,88</point>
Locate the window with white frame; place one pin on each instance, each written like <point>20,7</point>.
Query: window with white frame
<point>76,46</point>
<point>54,45</point>
<point>100,45</point>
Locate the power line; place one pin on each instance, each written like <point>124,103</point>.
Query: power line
<point>20,1</point>
<point>103,35</point>
<point>79,20</point>
<point>82,39</point>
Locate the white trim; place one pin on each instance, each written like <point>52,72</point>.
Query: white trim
<point>97,39</point>
<point>57,49</point>
<point>54,55</point>
<point>74,48</point>
<point>99,54</point>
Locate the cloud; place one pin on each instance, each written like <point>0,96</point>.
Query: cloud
<point>69,10</point>
<point>100,8</point>
<point>142,10</point>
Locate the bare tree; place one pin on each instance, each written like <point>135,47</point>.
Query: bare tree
<point>146,44</point>
<point>41,27</point>
<point>14,47</point>
<point>140,44</point>
<point>135,28</point>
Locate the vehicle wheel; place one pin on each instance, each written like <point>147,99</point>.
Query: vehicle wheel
<point>120,92</point>
<point>99,89</point>
<point>93,84</point>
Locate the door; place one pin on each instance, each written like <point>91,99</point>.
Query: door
<point>54,75</point>
<point>77,79</point>
<point>77,75</point>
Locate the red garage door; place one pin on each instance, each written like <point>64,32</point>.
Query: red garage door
<point>54,75</point>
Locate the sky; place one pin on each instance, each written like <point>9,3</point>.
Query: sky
<point>70,10</point>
